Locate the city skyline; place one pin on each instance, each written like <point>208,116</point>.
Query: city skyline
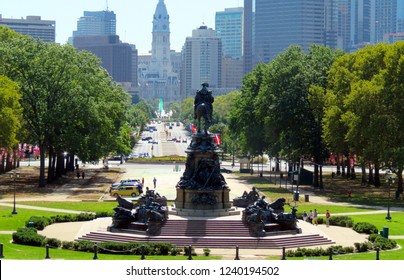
<point>134,17</point>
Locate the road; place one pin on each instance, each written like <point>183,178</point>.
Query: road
<point>163,137</point>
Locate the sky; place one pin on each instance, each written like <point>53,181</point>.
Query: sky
<point>134,17</point>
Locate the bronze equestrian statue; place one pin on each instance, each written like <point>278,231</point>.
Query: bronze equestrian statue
<point>203,107</point>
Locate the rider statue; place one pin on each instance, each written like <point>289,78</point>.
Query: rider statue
<point>204,96</point>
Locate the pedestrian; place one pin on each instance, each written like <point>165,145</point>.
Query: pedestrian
<point>327,218</point>
<point>142,181</point>
<point>154,182</point>
<point>304,216</point>
<point>311,216</point>
<point>82,174</point>
<point>78,175</point>
<point>315,218</point>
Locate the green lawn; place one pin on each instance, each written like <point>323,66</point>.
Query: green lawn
<point>396,254</point>
<point>15,221</point>
<point>89,206</point>
<point>21,252</point>
<point>395,225</point>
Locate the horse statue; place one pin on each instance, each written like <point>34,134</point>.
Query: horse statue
<point>201,111</point>
<point>203,107</point>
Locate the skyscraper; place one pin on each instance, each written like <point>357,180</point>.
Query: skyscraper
<point>385,20</point>
<point>201,60</point>
<point>116,57</point>
<point>229,28</point>
<point>156,77</point>
<point>248,38</point>
<point>96,23</point>
<point>33,26</point>
<point>279,24</point>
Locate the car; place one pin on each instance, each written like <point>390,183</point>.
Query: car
<point>155,142</point>
<point>146,138</point>
<point>178,124</point>
<point>178,140</point>
<point>184,140</point>
<point>126,191</point>
<point>126,182</point>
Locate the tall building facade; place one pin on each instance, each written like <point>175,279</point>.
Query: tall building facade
<point>229,29</point>
<point>94,23</point>
<point>385,19</point>
<point>116,57</point>
<point>33,26</point>
<point>279,24</point>
<point>201,61</point>
<point>157,78</point>
<point>248,37</point>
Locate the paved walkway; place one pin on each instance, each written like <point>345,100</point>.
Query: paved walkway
<point>166,180</point>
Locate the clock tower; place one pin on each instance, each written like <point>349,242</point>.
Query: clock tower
<point>160,60</point>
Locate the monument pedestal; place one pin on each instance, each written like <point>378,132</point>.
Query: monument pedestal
<point>203,199</point>
<point>202,187</point>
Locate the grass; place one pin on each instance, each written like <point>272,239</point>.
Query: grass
<point>396,254</point>
<point>21,252</point>
<point>13,222</point>
<point>77,206</point>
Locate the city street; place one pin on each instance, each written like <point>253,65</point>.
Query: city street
<point>162,140</point>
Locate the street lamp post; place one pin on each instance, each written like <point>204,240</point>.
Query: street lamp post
<point>13,176</point>
<point>390,181</point>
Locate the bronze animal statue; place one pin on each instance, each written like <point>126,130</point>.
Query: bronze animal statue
<point>203,107</point>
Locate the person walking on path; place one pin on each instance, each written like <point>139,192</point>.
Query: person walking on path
<point>327,218</point>
<point>315,218</point>
<point>82,174</point>
<point>304,216</point>
<point>154,182</point>
<point>142,181</point>
<point>311,217</point>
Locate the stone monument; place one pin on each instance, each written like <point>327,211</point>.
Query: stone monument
<point>202,186</point>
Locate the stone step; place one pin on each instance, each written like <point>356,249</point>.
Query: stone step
<point>298,240</point>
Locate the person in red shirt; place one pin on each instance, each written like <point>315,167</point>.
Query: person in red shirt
<point>327,218</point>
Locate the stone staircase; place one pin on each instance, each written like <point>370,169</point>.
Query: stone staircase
<point>212,234</point>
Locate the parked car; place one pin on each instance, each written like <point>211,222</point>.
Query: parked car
<point>124,190</point>
<point>128,182</point>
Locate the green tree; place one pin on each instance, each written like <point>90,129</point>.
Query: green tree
<point>70,103</point>
<point>371,111</point>
<point>10,115</point>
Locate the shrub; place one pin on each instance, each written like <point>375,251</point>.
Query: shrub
<point>85,217</point>
<point>103,214</point>
<point>68,245</point>
<point>28,236</point>
<point>384,243</point>
<point>363,247</point>
<point>83,246</point>
<point>38,222</point>
<point>117,248</point>
<point>175,251</point>
<point>364,227</point>
<point>206,251</point>
<point>53,242</point>
<point>186,251</point>
<point>372,237</point>
<point>342,221</point>
<point>164,248</point>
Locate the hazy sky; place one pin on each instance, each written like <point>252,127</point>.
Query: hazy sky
<point>134,17</point>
